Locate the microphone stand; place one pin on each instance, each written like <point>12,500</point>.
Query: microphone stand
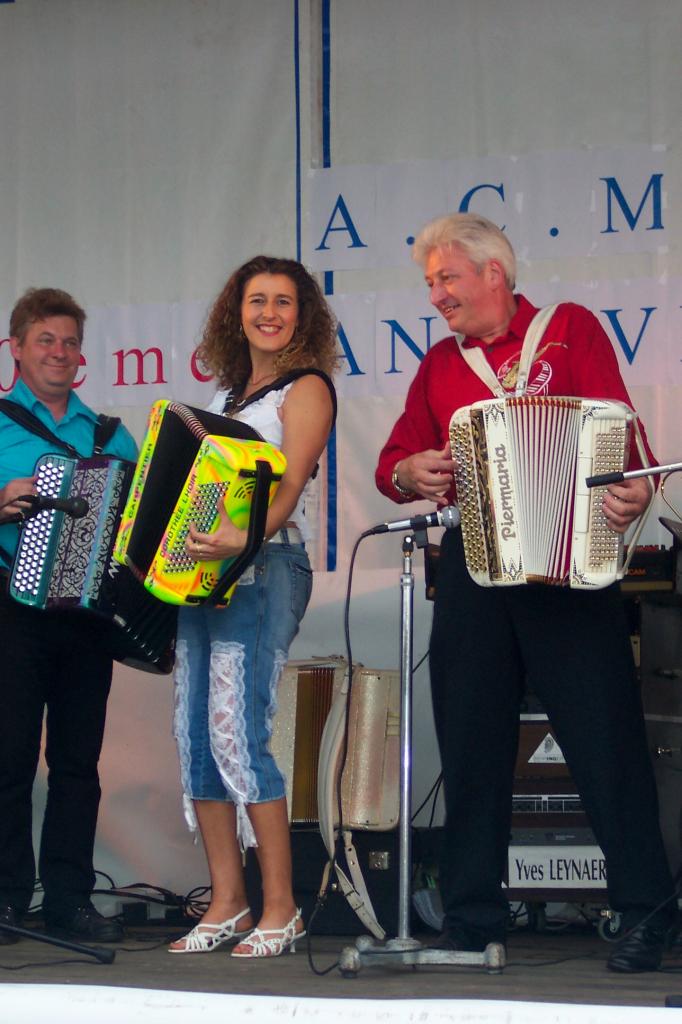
<point>105,956</point>
<point>404,949</point>
<point>673,525</point>
<point>675,528</point>
<point>630,474</point>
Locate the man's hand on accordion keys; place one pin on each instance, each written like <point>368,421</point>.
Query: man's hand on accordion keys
<point>225,542</point>
<point>10,507</point>
<point>625,502</point>
<point>429,474</point>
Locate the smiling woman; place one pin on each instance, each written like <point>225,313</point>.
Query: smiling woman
<point>269,316</point>
<point>270,342</point>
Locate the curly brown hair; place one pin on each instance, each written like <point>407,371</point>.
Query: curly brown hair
<point>223,351</point>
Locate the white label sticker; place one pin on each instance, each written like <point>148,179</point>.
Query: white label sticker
<point>549,752</point>
<point>561,867</point>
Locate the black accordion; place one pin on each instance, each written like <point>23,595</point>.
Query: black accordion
<point>64,562</point>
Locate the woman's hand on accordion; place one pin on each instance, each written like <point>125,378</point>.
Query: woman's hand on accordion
<point>225,542</point>
<point>429,474</point>
<point>623,503</point>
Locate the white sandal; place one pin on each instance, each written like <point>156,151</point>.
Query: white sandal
<point>204,936</point>
<point>272,941</point>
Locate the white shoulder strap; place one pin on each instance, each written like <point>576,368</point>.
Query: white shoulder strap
<point>536,329</point>
<point>476,360</point>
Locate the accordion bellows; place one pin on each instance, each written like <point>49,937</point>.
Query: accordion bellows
<point>527,513</point>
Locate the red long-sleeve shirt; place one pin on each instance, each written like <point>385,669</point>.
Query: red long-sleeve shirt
<point>574,357</point>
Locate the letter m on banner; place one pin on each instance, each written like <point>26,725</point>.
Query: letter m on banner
<point>651,198</point>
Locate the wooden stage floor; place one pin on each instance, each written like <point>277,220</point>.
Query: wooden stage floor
<point>566,967</point>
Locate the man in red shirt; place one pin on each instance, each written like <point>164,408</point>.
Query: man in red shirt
<point>570,646</point>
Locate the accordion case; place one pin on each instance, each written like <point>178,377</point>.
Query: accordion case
<point>361,744</point>
<point>322,723</point>
<point>189,462</point>
<point>521,469</point>
<point>65,563</point>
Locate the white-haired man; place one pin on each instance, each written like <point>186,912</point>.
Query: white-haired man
<point>571,647</point>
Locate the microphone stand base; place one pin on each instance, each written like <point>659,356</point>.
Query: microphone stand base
<point>411,953</point>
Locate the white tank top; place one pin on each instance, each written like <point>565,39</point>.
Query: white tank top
<point>263,417</point>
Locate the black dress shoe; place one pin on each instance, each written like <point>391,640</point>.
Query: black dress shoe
<point>86,925</point>
<point>641,950</point>
<point>8,915</point>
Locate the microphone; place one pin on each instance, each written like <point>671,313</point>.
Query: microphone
<point>448,517</point>
<point>76,507</point>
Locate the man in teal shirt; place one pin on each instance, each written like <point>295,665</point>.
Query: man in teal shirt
<point>52,660</point>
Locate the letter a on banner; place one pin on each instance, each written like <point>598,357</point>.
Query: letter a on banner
<point>347,226</point>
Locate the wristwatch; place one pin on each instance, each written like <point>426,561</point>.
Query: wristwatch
<point>402,491</point>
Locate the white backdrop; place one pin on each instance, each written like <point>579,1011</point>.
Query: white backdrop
<point>150,146</point>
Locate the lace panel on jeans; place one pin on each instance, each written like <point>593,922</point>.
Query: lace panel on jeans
<point>227,731</point>
<point>181,731</point>
<point>271,710</point>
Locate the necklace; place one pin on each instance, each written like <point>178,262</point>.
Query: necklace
<point>237,403</point>
<point>259,380</point>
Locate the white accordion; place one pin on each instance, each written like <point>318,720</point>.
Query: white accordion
<point>521,469</point>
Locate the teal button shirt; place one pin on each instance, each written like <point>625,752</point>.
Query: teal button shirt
<point>20,450</point>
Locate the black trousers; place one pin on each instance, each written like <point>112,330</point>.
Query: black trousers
<point>54,661</point>
<point>574,651</point>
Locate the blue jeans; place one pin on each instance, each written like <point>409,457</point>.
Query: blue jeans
<point>228,665</point>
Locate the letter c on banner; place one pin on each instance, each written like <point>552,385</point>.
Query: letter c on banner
<point>466,198</point>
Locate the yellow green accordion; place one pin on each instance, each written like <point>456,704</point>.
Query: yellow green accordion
<point>190,462</point>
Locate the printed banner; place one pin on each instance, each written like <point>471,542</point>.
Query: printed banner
<point>557,204</point>
<point>134,355</point>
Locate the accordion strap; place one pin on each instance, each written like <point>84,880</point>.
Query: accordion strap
<point>234,404</point>
<point>641,450</point>
<point>536,330</point>
<point>105,428</point>
<point>476,360</point>
<point>353,887</point>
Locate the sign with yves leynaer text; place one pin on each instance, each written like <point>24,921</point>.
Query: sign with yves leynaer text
<point>556,867</point>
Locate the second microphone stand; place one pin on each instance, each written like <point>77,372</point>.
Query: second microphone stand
<point>404,949</point>
<point>105,956</point>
